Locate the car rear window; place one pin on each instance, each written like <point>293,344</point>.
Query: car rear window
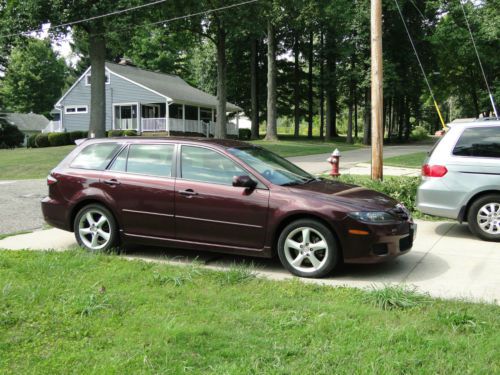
<point>479,142</point>
<point>96,156</point>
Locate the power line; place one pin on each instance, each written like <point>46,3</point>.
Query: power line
<point>479,59</point>
<point>420,64</point>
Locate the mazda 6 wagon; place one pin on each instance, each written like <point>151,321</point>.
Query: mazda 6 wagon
<point>223,196</point>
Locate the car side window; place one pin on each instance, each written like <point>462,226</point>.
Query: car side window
<point>202,164</point>
<point>151,160</point>
<point>96,156</point>
<point>479,142</point>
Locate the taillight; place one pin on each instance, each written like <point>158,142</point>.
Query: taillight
<point>434,170</point>
<point>51,180</point>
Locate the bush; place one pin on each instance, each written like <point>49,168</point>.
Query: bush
<point>122,133</point>
<point>32,140</point>
<point>419,133</point>
<point>130,133</point>
<point>245,134</point>
<point>73,136</point>
<point>42,140</point>
<point>10,136</point>
<point>59,139</point>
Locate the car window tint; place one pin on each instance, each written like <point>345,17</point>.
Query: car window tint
<point>153,160</point>
<point>96,156</point>
<point>201,164</point>
<point>479,142</point>
<point>120,163</point>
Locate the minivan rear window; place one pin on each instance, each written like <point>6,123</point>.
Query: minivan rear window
<point>96,156</point>
<point>479,142</point>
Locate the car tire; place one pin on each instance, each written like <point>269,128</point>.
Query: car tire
<point>483,217</point>
<point>308,248</point>
<point>95,228</point>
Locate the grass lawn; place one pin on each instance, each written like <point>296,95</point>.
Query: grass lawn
<point>26,163</point>
<point>288,146</point>
<point>414,160</point>
<point>83,313</point>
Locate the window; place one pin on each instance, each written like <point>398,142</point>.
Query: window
<point>201,164</point>
<point>96,156</point>
<point>479,142</point>
<point>76,109</point>
<point>106,79</point>
<point>152,160</point>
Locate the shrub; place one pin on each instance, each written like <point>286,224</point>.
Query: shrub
<point>115,133</point>
<point>419,133</point>
<point>32,140</point>
<point>130,133</point>
<point>10,136</point>
<point>73,136</point>
<point>42,140</point>
<point>245,134</point>
<point>59,139</point>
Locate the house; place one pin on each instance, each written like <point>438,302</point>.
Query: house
<point>28,123</point>
<point>141,100</point>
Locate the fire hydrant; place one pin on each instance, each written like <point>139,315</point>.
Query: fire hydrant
<point>334,160</point>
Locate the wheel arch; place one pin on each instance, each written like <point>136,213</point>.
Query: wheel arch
<point>85,202</point>
<point>464,211</point>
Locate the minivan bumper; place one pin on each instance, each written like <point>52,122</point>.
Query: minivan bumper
<point>435,198</point>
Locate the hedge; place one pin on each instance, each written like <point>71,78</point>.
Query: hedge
<point>245,134</point>
<point>73,136</point>
<point>122,133</point>
<point>42,140</point>
<point>32,140</point>
<point>59,139</point>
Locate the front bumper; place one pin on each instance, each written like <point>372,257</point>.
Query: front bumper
<point>381,243</point>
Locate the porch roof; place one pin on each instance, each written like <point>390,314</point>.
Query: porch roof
<point>169,85</point>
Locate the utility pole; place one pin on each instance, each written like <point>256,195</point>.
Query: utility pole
<point>377,90</point>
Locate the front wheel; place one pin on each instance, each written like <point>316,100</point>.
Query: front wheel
<point>307,248</point>
<point>484,217</point>
<point>95,228</point>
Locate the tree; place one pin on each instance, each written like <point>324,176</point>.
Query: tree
<point>34,78</point>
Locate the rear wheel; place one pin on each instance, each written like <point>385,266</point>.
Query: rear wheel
<point>307,248</point>
<point>95,228</point>
<point>484,217</point>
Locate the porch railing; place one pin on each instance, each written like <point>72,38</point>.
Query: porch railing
<point>154,124</point>
<point>183,126</point>
<point>53,127</point>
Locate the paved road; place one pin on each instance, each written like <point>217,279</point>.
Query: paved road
<point>446,261</point>
<point>20,200</point>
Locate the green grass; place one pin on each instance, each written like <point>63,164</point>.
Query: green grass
<point>414,160</point>
<point>288,146</point>
<point>27,163</point>
<point>75,312</point>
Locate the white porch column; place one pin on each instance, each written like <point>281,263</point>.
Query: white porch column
<point>184,118</point>
<point>237,123</point>
<point>167,117</point>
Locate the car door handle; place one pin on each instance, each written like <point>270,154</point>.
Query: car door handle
<point>112,182</point>
<point>188,192</point>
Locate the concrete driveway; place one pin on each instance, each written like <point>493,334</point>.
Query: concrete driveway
<point>446,261</point>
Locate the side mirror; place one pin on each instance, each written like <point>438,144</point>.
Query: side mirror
<point>244,181</point>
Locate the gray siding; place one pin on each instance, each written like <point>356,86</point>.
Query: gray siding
<point>118,90</point>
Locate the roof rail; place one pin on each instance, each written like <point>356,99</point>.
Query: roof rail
<point>488,119</point>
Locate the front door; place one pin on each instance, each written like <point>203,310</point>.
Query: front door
<point>125,116</point>
<point>209,210</point>
<point>139,182</point>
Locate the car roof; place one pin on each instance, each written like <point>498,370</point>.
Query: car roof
<point>486,121</point>
<point>223,143</point>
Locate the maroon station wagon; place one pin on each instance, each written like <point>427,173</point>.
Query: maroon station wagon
<point>223,196</point>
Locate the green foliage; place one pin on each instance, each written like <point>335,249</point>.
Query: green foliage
<point>397,297</point>
<point>74,135</point>
<point>34,78</point>
<point>419,133</point>
<point>236,274</point>
<point>10,135</point>
<point>42,140</point>
<point>32,140</point>
<point>122,133</point>
<point>245,134</point>
<point>460,321</point>
<point>59,139</point>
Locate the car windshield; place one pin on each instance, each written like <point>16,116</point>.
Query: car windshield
<point>272,167</point>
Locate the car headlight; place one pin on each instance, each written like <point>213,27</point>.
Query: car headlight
<point>373,217</point>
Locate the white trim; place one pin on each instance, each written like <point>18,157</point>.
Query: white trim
<point>106,73</point>
<point>138,84</point>
<point>58,103</point>
<point>76,107</point>
<point>123,104</point>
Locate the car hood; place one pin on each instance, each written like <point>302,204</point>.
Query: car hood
<point>356,197</point>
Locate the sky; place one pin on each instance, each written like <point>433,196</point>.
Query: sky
<point>61,45</point>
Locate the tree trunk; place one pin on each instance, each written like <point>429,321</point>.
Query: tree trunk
<point>331,88</point>
<point>349,120</point>
<point>221,123</point>
<point>254,59</point>
<point>366,118</point>
<point>296,86</point>
<point>97,52</point>
<point>271,133</point>
<point>321,89</point>
<point>310,86</point>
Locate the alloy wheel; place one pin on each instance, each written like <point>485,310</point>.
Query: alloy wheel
<point>488,218</point>
<point>94,229</point>
<point>306,249</point>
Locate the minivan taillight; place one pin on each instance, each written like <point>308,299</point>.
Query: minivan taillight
<point>434,170</point>
<point>51,180</point>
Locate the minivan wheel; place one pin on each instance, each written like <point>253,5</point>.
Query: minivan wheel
<point>307,248</point>
<point>484,217</point>
<point>95,228</point>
